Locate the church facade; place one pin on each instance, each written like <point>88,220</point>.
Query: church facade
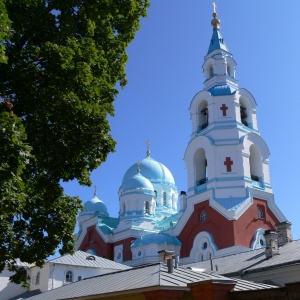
<point>229,202</point>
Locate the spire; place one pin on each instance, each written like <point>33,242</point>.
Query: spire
<point>95,191</point>
<point>148,148</point>
<point>217,42</point>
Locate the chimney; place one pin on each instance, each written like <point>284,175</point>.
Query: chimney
<point>182,198</point>
<point>284,233</point>
<point>164,255</point>
<point>170,265</point>
<point>271,237</point>
<point>176,261</point>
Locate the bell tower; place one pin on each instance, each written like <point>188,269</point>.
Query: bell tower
<point>227,162</point>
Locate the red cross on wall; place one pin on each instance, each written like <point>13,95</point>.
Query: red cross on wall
<point>228,163</point>
<point>224,108</point>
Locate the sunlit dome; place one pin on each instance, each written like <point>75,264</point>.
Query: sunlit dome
<point>137,182</point>
<point>156,238</point>
<point>153,170</point>
<point>96,205</point>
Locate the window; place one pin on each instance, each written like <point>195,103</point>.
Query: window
<point>211,71</point>
<point>260,213</point>
<point>203,216</point>
<point>147,210</point>
<point>155,193</point>
<point>69,276</point>
<point>164,199</point>
<point>124,208</point>
<point>209,255</point>
<point>37,279</point>
<point>228,70</point>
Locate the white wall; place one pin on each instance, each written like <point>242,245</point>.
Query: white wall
<point>8,289</point>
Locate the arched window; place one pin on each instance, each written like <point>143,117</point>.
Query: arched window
<point>69,276</point>
<point>211,71</point>
<point>246,114</point>
<point>123,207</point>
<point>255,161</point>
<point>165,199</point>
<point>155,193</point>
<point>228,70</point>
<point>203,216</point>
<point>37,279</point>
<point>260,213</point>
<point>147,208</point>
<point>203,116</point>
<point>201,167</point>
<point>201,257</point>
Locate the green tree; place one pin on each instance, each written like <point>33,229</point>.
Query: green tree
<point>60,63</point>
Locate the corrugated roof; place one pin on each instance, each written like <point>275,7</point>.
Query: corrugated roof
<point>80,259</point>
<point>140,278</point>
<point>251,261</point>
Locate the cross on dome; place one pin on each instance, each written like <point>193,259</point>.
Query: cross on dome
<point>148,147</point>
<point>95,191</point>
<point>214,5</point>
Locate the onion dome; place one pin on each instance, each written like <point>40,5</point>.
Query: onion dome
<point>156,238</point>
<point>96,205</point>
<point>153,170</point>
<point>139,183</point>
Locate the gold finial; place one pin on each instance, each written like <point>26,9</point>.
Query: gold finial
<point>215,22</point>
<point>139,169</point>
<point>148,147</point>
<point>95,191</point>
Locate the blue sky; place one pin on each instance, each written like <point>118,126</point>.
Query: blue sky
<point>165,72</point>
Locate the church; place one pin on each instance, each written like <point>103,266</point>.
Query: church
<point>228,204</point>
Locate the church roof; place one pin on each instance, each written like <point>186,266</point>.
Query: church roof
<point>136,279</point>
<point>217,42</point>
<point>252,261</point>
<point>222,90</point>
<point>153,170</point>
<point>84,259</point>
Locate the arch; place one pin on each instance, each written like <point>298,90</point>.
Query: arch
<point>203,115</point>
<point>252,138</point>
<point>247,95</point>
<point>245,112</point>
<point>200,167</point>
<point>255,162</point>
<point>203,244</point>
<point>258,240</point>
<point>69,276</point>
<point>203,216</point>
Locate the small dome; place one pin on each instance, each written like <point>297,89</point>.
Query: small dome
<point>153,170</point>
<point>96,205</point>
<point>137,182</point>
<point>156,238</point>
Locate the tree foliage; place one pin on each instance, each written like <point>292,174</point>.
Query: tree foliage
<point>60,62</point>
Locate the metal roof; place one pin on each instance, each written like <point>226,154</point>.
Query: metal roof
<point>251,261</point>
<point>81,258</point>
<point>137,279</point>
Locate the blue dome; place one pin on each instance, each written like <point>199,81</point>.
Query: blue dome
<point>156,238</point>
<point>138,182</point>
<point>152,170</point>
<point>95,205</point>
